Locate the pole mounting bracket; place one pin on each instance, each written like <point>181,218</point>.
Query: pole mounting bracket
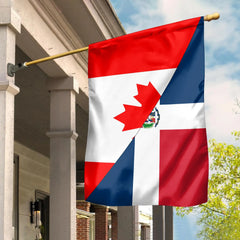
<point>12,69</point>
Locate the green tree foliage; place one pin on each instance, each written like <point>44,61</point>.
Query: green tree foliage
<point>220,216</point>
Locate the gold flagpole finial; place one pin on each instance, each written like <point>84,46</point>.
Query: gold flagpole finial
<point>213,16</point>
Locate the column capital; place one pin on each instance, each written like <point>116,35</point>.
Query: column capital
<point>62,134</point>
<point>63,84</point>
<point>9,17</point>
<point>9,87</point>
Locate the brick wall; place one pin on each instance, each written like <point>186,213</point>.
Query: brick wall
<point>83,223</point>
<point>101,223</point>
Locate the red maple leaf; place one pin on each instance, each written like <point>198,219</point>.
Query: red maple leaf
<point>134,116</point>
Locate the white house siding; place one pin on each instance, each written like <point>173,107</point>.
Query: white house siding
<point>33,175</point>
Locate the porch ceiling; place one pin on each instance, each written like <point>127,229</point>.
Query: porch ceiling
<point>82,22</point>
<point>93,20</point>
<point>32,112</point>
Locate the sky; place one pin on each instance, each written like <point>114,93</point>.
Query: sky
<point>222,63</point>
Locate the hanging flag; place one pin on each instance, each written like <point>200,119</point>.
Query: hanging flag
<point>147,140</point>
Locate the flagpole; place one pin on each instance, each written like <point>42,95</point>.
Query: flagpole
<point>12,69</point>
<point>55,56</point>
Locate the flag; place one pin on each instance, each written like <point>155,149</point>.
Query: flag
<point>147,140</point>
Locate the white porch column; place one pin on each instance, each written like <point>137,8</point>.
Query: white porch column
<point>128,223</point>
<point>62,158</point>
<point>162,223</point>
<point>169,223</point>
<point>9,26</point>
<point>158,223</point>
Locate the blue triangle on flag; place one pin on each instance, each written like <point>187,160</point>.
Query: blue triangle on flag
<point>116,187</point>
<point>187,84</point>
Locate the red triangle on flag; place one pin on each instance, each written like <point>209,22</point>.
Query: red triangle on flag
<point>94,174</point>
